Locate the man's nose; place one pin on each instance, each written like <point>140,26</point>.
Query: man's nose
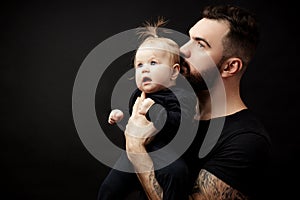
<point>184,51</point>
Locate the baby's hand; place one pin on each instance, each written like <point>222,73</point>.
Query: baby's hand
<point>115,116</point>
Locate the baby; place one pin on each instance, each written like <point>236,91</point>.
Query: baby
<point>157,66</point>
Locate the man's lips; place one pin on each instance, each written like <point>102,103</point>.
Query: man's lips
<point>184,67</point>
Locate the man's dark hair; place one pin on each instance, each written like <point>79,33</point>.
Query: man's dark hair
<point>243,37</point>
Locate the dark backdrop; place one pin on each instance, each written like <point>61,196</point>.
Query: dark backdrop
<point>44,43</point>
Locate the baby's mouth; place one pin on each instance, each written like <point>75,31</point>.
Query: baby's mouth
<point>146,80</point>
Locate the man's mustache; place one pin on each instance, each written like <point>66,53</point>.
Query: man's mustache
<point>184,67</point>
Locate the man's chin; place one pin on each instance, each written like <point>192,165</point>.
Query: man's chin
<point>199,88</point>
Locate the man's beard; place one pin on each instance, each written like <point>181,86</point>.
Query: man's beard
<point>196,81</point>
<point>200,82</point>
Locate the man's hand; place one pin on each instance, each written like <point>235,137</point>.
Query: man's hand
<point>138,126</point>
<point>138,133</point>
<point>145,104</point>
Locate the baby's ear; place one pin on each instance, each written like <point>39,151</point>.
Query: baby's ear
<point>176,71</point>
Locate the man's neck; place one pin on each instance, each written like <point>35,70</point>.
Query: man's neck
<point>223,104</point>
<point>203,110</point>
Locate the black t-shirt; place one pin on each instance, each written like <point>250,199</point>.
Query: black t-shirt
<point>240,155</point>
<point>172,107</point>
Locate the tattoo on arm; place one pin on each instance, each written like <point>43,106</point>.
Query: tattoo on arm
<point>157,189</point>
<point>208,186</point>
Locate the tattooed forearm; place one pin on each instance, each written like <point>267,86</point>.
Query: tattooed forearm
<point>157,189</point>
<point>208,186</point>
<point>150,185</point>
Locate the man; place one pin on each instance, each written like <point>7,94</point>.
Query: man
<point>224,39</point>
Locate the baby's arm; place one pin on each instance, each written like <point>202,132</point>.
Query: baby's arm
<point>115,116</point>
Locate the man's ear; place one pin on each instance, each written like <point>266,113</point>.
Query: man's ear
<point>231,67</point>
<point>176,71</point>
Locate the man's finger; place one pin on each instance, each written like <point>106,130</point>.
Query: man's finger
<point>145,106</point>
<point>143,96</point>
<point>136,105</point>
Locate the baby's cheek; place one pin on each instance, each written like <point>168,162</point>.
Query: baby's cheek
<point>162,75</point>
<point>138,82</point>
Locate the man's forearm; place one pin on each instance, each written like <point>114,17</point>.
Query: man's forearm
<point>208,186</point>
<point>150,185</point>
<point>143,165</point>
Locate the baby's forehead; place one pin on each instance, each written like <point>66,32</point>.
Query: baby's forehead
<point>154,45</point>
<point>147,52</point>
<point>153,49</point>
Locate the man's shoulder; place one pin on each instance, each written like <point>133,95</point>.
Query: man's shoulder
<point>245,122</point>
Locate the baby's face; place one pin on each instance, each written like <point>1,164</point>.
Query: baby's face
<point>153,69</point>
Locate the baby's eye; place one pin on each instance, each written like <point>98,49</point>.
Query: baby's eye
<point>153,63</point>
<point>139,65</point>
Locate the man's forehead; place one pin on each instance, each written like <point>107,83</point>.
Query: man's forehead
<point>205,27</point>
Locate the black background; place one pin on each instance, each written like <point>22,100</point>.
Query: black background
<point>44,43</point>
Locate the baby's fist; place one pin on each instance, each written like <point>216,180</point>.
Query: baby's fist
<point>115,116</point>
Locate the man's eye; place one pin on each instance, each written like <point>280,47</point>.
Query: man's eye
<point>153,63</point>
<point>200,45</point>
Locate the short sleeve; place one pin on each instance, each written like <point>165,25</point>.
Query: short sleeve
<point>240,161</point>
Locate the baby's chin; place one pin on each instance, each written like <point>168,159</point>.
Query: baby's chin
<point>149,89</point>
<point>146,89</point>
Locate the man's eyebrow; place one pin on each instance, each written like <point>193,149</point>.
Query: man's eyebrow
<point>203,40</point>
